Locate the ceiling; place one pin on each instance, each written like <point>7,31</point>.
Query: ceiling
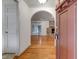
<point>35,3</point>
<point>42,16</point>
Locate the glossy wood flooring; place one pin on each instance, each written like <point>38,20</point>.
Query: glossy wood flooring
<point>41,48</point>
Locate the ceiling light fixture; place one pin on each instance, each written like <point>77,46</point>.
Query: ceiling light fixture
<point>42,1</point>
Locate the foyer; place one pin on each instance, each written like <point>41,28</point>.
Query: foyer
<point>39,29</point>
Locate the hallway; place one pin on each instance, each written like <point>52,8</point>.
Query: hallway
<point>41,48</point>
<point>39,29</point>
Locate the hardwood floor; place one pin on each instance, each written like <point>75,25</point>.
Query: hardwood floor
<point>41,48</point>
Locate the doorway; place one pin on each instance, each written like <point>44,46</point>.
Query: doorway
<point>36,29</point>
<point>42,37</point>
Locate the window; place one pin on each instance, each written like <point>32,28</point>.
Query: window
<point>36,29</point>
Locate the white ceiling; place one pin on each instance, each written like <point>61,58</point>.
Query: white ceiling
<point>35,3</point>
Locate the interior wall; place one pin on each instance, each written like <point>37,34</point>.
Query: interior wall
<point>25,26</point>
<point>44,26</point>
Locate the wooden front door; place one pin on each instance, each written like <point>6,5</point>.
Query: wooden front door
<point>66,42</point>
<point>63,35</point>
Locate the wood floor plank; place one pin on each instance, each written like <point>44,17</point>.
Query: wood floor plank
<point>42,48</point>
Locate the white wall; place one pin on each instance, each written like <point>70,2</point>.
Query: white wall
<point>44,26</point>
<point>25,26</point>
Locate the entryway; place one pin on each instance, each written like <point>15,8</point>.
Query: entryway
<point>42,37</point>
<point>39,29</point>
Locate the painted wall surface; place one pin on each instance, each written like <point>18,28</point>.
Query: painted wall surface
<point>25,26</point>
<point>44,25</point>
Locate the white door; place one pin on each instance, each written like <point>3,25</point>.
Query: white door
<point>4,28</point>
<point>10,41</point>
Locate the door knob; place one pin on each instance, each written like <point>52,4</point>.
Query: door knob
<point>6,31</point>
<point>57,36</point>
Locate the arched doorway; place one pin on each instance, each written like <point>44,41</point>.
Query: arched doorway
<point>43,16</point>
<point>43,29</point>
<point>42,25</point>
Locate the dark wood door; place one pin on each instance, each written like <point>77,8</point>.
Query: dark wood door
<point>72,12</point>
<point>63,35</point>
<point>66,43</point>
